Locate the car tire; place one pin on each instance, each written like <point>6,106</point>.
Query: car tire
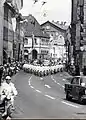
<point>68,96</point>
<point>80,100</point>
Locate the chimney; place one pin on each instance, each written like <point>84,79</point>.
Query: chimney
<point>61,23</point>
<point>64,23</point>
<point>57,22</point>
<point>53,21</point>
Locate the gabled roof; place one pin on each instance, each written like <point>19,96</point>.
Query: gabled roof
<point>31,26</point>
<point>58,26</point>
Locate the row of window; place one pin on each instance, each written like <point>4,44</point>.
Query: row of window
<point>44,43</point>
<point>35,42</point>
<point>44,51</point>
<point>53,54</point>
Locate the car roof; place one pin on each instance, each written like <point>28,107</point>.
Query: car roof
<point>80,76</point>
<point>76,77</point>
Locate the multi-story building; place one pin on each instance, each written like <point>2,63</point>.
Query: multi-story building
<point>1,30</point>
<point>9,10</point>
<point>78,32</point>
<point>73,25</point>
<point>84,35</point>
<point>69,47</point>
<point>36,42</point>
<point>56,32</point>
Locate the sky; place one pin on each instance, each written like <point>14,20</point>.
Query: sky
<point>57,10</point>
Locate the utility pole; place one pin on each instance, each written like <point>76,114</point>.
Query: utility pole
<point>78,35</point>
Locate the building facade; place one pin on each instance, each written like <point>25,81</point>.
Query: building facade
<point>1,30</point>
<point>10,9</point>
<point>69,47</point>
<point>36,42</point>
<point>78,33</point>
<point>56,32</point>
<point>84,35</point>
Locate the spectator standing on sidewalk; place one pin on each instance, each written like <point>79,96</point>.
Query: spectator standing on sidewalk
<point>1,73</point>
<point>84,70</point>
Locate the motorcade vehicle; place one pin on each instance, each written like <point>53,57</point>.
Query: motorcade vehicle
<point>46,62</point>
<point>76,88</point>
<point>37,70</point>
<point>42,69</point>
<point>52,68</point>
<point>6,103</point>
<point>61,67</point>
<point>35,62</point>
<point>26,67</point>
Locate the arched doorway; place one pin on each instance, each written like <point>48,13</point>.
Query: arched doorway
<point>34,54</point>
<point>26,54</point>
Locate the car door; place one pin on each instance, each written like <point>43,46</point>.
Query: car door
<point>69,86</point>
<point>73,83</point>
<point>75,86</point>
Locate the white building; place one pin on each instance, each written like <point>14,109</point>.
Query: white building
<point>36,42</point>
<point>57,39</point>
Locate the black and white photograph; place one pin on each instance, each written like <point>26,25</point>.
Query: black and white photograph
<point>42,59</point>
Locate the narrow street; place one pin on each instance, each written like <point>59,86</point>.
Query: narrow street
<point>44,97</point>
<point>42,38</point>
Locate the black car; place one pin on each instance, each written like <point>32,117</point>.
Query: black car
<point>76,88</point>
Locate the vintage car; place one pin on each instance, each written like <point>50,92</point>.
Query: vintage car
<point>76,88</point>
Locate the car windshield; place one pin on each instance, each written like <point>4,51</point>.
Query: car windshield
<point>84,80</point>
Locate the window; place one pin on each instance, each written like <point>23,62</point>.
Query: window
<point>75,80</point>
<point>47,27</point>
<point>56,33</point>
<point>55,43</point>
<point>35,40</point>
<point>26,41</point>
<point>52,34</point>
